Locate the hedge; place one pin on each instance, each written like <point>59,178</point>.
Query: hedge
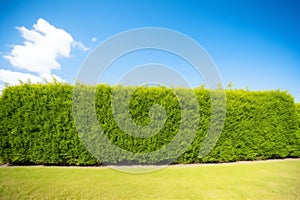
<point>297,105</point>
<point>298,117</point>
<point>37,124</point>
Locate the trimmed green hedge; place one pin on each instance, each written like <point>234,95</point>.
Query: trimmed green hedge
<point>298,119</point>
<point>297,105</point>
<point>37,126</point>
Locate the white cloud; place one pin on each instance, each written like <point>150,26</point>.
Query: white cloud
<point>43,45</point>
<point>94,39</point>
<point>80,46</point>
<point>1,88</point>
<point>12,78</point>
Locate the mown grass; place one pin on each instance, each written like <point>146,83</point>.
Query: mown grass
<point>251,180</point>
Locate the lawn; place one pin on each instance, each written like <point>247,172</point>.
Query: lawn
<point>246,180</point>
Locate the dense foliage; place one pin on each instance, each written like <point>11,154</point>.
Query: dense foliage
<point>298,116</point>
<point>37,124</point>
<point>298,111</point>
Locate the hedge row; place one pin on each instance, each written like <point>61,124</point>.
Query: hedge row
<point>297,105</point>
<point>37,125</point>
<point>298,116</point>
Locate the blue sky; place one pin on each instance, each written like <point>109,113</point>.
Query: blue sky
<point>253,43</point>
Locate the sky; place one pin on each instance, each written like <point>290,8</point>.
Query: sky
<point>254,44</point>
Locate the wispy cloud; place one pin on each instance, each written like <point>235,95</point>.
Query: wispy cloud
<point>94,39</point>
<point>80,46</point>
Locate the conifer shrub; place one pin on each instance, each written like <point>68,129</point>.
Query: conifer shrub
<point>37,124</point>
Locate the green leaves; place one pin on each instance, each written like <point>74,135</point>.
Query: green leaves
<point>37,125</point>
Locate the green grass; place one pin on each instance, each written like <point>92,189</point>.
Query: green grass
<point>251,180</point>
